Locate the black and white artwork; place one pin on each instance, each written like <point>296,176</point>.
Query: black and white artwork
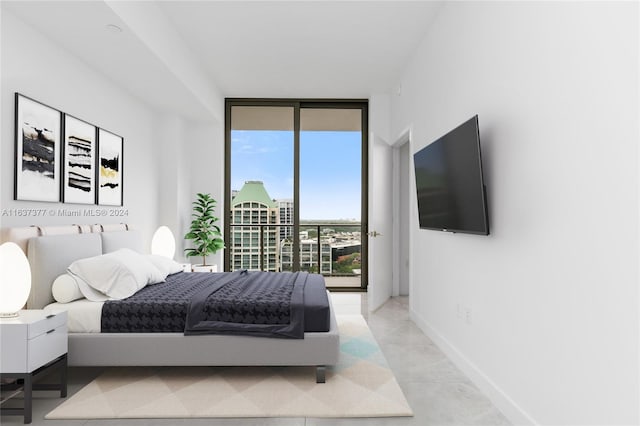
<point>109,169</point>
<point>79,161</point>
<point>37,143</point>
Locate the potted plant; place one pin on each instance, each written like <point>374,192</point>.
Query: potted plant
<point>204,232</point>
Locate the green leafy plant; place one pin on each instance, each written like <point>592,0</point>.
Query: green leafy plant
<point>204,232</point>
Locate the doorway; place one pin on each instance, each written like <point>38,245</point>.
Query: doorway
<point>403,189</point>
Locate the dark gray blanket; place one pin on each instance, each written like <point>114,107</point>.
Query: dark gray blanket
<point>265,304</point>
<point>248,303</point>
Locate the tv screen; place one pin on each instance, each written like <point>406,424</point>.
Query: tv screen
<point>449,183</point>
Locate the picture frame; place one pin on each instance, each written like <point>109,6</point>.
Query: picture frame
<point>38,142</point>
<point>109,169</point>
<point>79,153</point>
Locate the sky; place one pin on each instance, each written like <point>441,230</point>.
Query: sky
<point>330,169</point>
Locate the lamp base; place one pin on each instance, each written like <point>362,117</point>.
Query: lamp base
<point>8,314</point>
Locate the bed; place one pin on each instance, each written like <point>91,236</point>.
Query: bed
<point>90,348</point>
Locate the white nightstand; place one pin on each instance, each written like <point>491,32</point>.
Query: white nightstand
<point>29,344</point>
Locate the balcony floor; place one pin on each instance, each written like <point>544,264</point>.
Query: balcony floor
<point>343,282</point>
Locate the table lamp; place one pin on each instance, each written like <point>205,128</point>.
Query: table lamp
<point>15,280</point>
<point>163,243</point>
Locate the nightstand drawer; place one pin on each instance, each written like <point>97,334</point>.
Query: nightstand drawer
<point>46,324</point>
<point>46,347</point>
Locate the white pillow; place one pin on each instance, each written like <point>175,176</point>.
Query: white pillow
<point>117,275</point>
<point>89,292</point>
<point>65,289</point>
<point>165,265</point>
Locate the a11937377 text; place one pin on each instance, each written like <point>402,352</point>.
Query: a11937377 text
<point>90,212</point>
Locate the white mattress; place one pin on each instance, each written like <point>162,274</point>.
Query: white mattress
<point>83,316</point>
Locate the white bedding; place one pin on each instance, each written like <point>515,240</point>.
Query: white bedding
<point>83,316</point>
<point>116,275</point>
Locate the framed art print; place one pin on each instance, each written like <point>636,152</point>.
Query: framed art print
<point>109,168</point>
<point>79,161</point>
<point>37,151</point>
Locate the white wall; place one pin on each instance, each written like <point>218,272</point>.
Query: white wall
<point>165,155</point>
<point>205,147</point>
<point>553,291</point>
<point>37,68</point>
<point>173,179</point>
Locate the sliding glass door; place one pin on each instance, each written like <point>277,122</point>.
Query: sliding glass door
<point>261,181</point>
<point>296,188</point>
<point>331,193</point>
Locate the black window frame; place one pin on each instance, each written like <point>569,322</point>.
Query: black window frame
<point>297,105</point>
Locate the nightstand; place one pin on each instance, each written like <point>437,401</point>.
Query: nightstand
<point>30,344</point>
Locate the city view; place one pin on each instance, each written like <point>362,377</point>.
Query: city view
<point>262,236</point>
<point>327,155</point>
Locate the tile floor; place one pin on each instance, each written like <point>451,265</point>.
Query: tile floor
<point>436,390</point>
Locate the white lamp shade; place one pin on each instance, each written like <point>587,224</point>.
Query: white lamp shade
<point>15,279</point>
<point>163,243</point>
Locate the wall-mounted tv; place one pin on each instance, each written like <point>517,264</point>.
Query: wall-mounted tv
<point>449,182</point>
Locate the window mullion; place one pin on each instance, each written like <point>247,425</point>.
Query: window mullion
<point>296,187</point>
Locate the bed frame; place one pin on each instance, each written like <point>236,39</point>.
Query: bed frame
<point>51,250</point>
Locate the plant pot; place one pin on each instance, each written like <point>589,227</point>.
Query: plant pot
<point>204,268</point>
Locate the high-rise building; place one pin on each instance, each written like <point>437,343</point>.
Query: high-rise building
<point>308,255</point>
<point>253,209</point>
<point>286,218</point>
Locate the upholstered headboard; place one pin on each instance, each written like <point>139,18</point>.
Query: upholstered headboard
<point>21,235</point>
<point>51,250</point>
<point>49,257</point>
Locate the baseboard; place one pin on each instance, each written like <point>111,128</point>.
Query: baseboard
<point>500,399</point>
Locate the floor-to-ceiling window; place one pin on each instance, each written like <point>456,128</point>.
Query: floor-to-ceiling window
<point>296,188</point>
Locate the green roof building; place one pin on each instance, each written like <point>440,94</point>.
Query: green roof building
<point>252,206</point>
<point>253,191</point>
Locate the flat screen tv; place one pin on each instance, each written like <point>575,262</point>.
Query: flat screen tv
<point>449,183</point>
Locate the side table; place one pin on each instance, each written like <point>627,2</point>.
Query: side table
<point>30,344</point>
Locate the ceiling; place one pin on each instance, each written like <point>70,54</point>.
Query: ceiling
<point>271,49</point>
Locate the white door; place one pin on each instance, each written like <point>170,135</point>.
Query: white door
<point>380,222</point>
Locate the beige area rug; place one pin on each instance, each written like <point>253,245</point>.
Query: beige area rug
<point>361,385</point>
